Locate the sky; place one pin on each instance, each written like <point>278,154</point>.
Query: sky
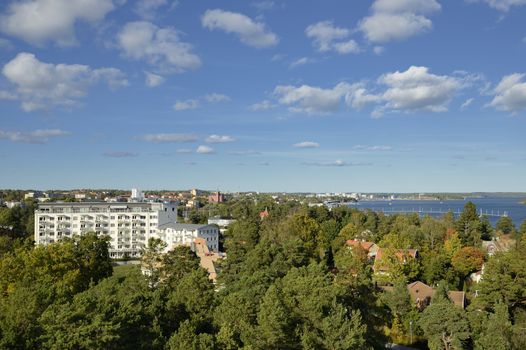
<point>261,95</point>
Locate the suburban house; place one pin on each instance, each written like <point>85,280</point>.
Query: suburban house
<point>422,294</point>
<point>369,247</point>
<point>497,245</point>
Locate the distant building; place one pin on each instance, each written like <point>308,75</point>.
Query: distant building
<point>129,225</point>
<point>175,234</point>
<point>136,195</point>
<point>35,195</point>
<point>216,197</point>
<point>219,221</point>
<point>12,204</point>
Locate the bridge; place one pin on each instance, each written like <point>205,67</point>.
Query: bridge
<point>424,211</point>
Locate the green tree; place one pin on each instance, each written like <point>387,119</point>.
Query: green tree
<point>445,325</point>
<point>505,225</point>
<point>468,225</point>
<point>497,331</point>
<point>468,260</point>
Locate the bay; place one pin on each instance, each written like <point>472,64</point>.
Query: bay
<point>511,206</point>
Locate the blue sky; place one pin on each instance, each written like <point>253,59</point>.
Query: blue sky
<point>298,95</point>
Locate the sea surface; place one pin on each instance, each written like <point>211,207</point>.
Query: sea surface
<point>493,207</point>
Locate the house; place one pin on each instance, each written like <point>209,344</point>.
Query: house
<point>370,247</point>
<point>175,234</point>
<point>381,265</point>
<point>264,214</point>
<point>497,245</point>
<point>216,197</point>
<point>422,294</point>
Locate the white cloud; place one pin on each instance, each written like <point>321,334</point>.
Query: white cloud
<point>372,148</point>
<point>502,5</point>
<point>41,21</point>
<point>158,138</point>
<point>312,100</point>
<point>186,105</point>
<point>261,106</point>
<point>378,50</point>
<point>467,103</point>
<point>327,37</point>
<point>417,89</point>
<point>412,90</point>
<point>264,5</point>
<point>37,136</point>
<point>510,94</point>
<point>398,19</point>
<point>160,47</point>
<point>306,144</point>
<point>215,97</point>
<point>119,154</point>
<point>248,31</point>
<point>219,139</point>
<point>41,85</point>
<point>153,80</point>
<point>202,149</point>
<point>147,8</point>
<point>300,62</point>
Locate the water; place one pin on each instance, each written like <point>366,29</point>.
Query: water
<point>511,206</point>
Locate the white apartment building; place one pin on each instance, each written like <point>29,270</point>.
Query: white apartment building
<point>129,225</point>
<point>175,234</point>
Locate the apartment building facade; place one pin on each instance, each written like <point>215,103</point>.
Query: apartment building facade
<point>129,225</point>
<point>175,234</point>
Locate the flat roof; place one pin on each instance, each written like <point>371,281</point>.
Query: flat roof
<point>178,226</point>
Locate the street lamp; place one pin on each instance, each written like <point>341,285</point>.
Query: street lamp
<point>411,330</point>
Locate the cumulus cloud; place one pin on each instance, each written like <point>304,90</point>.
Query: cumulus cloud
<point>219,139</point>
<point>510,94</point>
<point>261,106</point>
<point>38,136</point>
<point>326,37</point>
<point>250,32</point>
<point>398,19</point>
<point>118,154</point>
<point>415,89</point>
<point>158,138</point>
<point>186,105</point>
<point>215,97</point>
<point>306,144</point>
<point>502,5</point>
<point>147,8</point>
<point>153,80</point>
<point>42,21</point>
<point>312,100</point>
<point>40,85</point>
<point>162,48</point>
<point>202,149</point>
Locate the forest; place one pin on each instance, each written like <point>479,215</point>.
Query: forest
<point>291,280</point>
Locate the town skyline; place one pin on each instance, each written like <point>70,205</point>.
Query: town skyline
<point>269,96</point>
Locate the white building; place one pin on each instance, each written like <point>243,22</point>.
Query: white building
<point>129,225</point>
<point>184,234</point>
<point>136,194</point>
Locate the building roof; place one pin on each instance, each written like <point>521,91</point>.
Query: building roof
<point>421,291</point>
<point>364,244</point>
<point>187,227</point>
